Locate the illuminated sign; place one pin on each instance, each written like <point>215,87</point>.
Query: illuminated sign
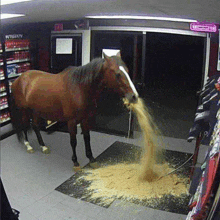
<point>204,27</point>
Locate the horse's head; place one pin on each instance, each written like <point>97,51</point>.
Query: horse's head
<point>116,76</point>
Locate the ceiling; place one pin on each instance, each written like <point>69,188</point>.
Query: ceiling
<point>54,10</point>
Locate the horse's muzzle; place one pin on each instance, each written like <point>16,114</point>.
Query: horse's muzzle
<point>132,98</point>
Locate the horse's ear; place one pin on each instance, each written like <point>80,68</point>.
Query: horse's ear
<point>107,59</point>
<point>118,54</point>
<point>105,56</point>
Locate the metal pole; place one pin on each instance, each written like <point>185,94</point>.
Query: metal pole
<point>129,125</point>
<point>143,58</point>
<point>135,56</point>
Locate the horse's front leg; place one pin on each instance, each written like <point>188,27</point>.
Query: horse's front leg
<point>72,127</point>
<point>86,136</point>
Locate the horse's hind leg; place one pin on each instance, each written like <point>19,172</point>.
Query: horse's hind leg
<point>73,141</point>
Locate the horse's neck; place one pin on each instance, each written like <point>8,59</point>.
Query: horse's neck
<point>67,70</point>
<point>93,89</point>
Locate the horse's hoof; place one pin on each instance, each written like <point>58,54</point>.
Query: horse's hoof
<point>30,151</point>
<point>77,169</point>
<point>45,150</point>
<point>94,165</point>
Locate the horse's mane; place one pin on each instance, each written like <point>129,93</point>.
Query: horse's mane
<point>86,74</point>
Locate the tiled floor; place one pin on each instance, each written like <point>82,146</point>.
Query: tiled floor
<point>30,179</point>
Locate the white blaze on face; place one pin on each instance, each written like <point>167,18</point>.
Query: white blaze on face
<point>129,80</point>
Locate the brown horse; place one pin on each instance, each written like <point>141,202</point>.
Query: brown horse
<point>68,96</point>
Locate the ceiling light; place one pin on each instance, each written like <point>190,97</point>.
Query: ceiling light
<point>140,18</point>
<point>7,2</point>
<point>5,16</point>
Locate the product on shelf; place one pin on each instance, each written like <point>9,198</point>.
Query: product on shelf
<point>11,70</point>
<point>21,55</point>
<point>2,87</point>
<point>4,117</point>
<point>10,84</point>
<point>3,101</point>
<point>1,72</point>
<point>10,59</point>
<point>15,69</point>
<point>23,67</point>
<point>17,43</point>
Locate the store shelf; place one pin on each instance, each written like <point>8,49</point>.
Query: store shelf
<point>14,75</point>
<point>17,49</point>
<point>15,59</point>
<point>4,121</point>
<point>3,107</point>
<point>18,61</point>
<point>3,93</point>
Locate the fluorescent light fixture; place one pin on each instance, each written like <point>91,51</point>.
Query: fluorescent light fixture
<point>5,15</point>
<point>140,18</point>
<point>7,2</point>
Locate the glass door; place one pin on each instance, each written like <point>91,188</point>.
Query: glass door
<point>112,116</point>
<point>66,50</point>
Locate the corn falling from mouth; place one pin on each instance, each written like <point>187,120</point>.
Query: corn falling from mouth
<point>140,179</point>
<point>150,133</point>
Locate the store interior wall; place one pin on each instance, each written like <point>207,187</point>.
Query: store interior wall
<point>155,76</point>
<point>40,38</point>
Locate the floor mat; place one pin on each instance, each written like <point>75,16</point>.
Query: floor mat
<point>122,152</point>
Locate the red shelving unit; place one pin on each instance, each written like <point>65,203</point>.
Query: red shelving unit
<point>15,58</point>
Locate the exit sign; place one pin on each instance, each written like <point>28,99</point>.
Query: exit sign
<point>58,27</point>
<point>204,27</point>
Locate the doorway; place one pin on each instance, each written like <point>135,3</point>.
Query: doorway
<point>112,116</point>
<point>171,73</point>
<point>173,76</point>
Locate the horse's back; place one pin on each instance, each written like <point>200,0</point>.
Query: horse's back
<point>20,85</point>
<point>36,88</point>
<point>51,96</point>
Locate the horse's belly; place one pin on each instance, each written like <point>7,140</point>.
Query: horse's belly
<point>53,116</point>
<point>48,109</point>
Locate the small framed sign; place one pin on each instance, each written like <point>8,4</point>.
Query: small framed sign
<point>64,45</point>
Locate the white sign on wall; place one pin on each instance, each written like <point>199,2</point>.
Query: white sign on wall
<point>110,52</point>
<point>64,45</point>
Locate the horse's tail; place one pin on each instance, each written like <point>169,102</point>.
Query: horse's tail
<point>18,119</point>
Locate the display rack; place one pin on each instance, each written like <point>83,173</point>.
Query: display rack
<point>218,62</point>
<point>205,202</point>
<point>14,59</point>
